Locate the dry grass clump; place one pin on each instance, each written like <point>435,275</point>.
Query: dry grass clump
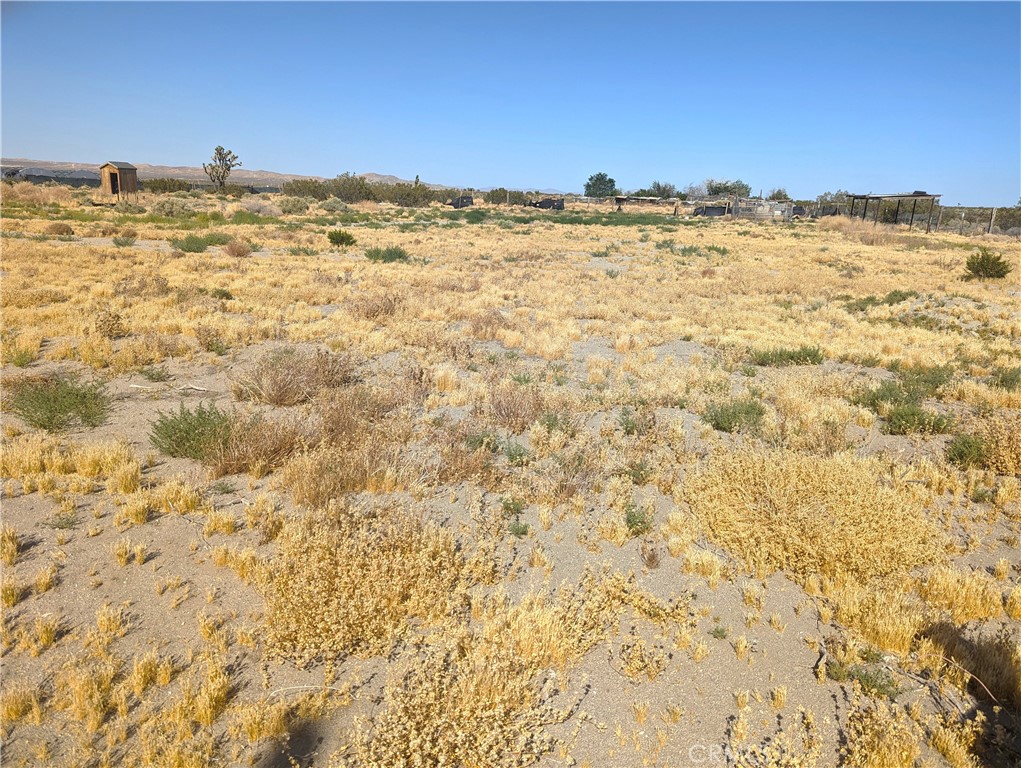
<point>257,445</point>
<point>516,406</point>
<point>881,735</point>
<point>810,515</point>
<point>885,616</point>
<point>865,232</point>
<point>984,664</point>
<point>965,596</point>
<point>348,415</point>
<point>328,473</point>
<point>290,376</point>
<point>1001,436</point>
<point>471,704</point>
<point>792,746</point>
<point>346,582</point>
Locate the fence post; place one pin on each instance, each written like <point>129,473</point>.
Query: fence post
<point>992,218</point>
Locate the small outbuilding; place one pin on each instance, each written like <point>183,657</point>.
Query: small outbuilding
<point>119,178</point>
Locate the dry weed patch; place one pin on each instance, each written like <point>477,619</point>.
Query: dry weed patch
<point>290,376</point>
<point>778,509</point>
<point>346,582</point>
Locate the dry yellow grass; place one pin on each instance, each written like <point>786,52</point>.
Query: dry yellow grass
<point>778,509</point>
<point>388,537</point>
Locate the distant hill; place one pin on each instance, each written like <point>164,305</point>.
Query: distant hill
<point>237,176</point>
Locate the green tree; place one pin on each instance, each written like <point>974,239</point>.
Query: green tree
<point>600,185</point>
<point>833,198</point>
<point>719,187</point>
<point>658,189</point>
<point>778,194</point>
<point>219,169</point>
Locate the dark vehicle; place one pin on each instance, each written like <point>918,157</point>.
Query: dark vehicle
<point>462,202</point>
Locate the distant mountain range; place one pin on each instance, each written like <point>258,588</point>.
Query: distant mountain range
<point>238,175</point>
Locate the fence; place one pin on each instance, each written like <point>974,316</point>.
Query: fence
<point>971,220</point>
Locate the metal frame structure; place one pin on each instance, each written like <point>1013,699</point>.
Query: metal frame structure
<point>914,197</point>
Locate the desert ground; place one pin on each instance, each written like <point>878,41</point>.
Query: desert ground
<point>357,485</point>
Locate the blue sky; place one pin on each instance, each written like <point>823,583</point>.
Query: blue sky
<point>870,97</point>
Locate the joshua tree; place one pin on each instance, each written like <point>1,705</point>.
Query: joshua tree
<point>219,169</point>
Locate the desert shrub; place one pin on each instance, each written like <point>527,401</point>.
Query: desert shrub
<point>986,265</point>
<point>124,241</point>
<point>59,228</point>
<point>1001,435</point>
<point>221,293</point>
<point>345,582</point>
<point>1007,378</point>
<point>217,238</point>
<point>811,515</point>
<point>387,255</point>
<point>210,339</point>
<point>164,186</point>
<point>237,249</point>
<point>191,244</point>
<point>192,434</point>
<point>333,205</point>
<point>256,444</point>
<point>340,237</point>
<point>330,472</point>
<point>881,735</point>
<point>736,416</point>
<point>966,451</point>
<point>374,305</point>
<point>126,206</point>
<point>290,376</point>
<point>910,418</point>
<point>779,356</point>
<point>172,208</point>
<point>293,205</point>
<point>347,415</point>
<point>515,406</point>
<point>110,324</point>
<point>638,521</point>
<point>57,402</point>
<point>635,422</point>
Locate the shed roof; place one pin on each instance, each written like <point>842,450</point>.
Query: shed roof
<point>120,166</point>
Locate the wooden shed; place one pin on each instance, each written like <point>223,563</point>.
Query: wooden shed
<point>119,178</point>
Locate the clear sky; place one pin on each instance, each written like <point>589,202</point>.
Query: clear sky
<point>869,97</point>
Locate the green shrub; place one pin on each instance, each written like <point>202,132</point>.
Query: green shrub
<point>516,454</point>
<point>217,238</point>
<point>57,402</point>
<point>736,416</point>
<point>155,373</point>
<point>302,250</point>
<point>1007,378</point>
<point>221,293</point>
<point>518,528</point>
<point>638,521</point>
<point>910,418</point>
<point>803,355</point>
<point>984,264</point>
<point>124,242</point>
<point>340,237</point>
<point>925,380</point>
<point>163,186</point>
<point>333,205</point>
<point>190,244</point>
<point>173,208</point>
<point>197,434</point>
<point>967,451</point>
<point>293,205</point>
<point>388,255</point>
